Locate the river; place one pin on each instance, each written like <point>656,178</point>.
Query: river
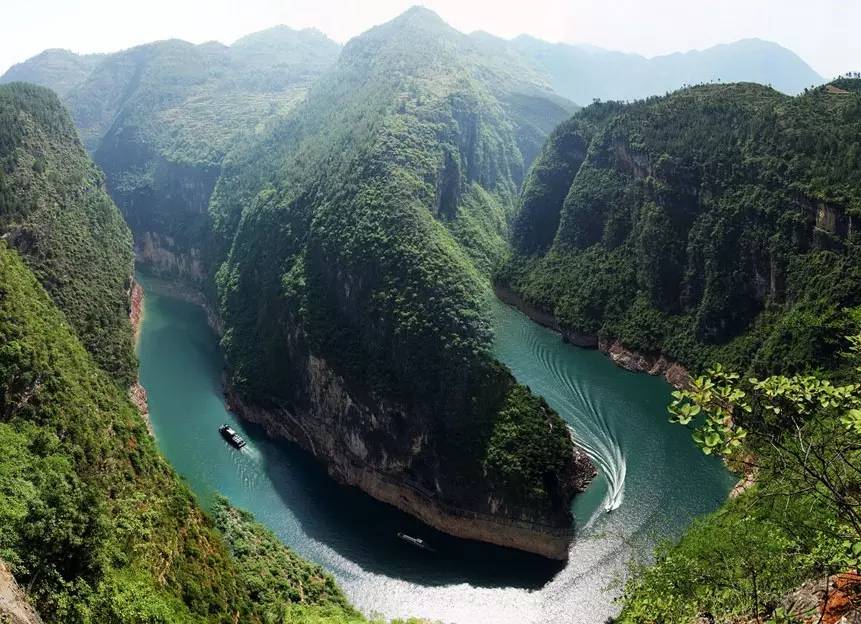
<point>651,476</point>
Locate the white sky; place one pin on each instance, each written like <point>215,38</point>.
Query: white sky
<point>825,33</point>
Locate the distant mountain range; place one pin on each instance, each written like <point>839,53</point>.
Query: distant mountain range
<point>584,73</point>
<point>580,73</point>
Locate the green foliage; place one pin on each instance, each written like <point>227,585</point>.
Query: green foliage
<point>801,437</point>
<point>739,561</point>
<point>160,118</point>
<point>721,212</point>
<point>94,521</point>
<point>366,225</point>
<point>272,573</point>
<point>54,210</point>
<point>284,588</point>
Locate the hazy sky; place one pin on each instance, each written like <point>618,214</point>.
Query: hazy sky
<point>823,32</point>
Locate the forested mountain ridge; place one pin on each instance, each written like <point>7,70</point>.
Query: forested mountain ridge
<point>94,523</point>
<point>55,211</point>
<point>584,74</point>
<point>159,119</point>
<point>718,223</point>
<point>59,70</point>
<point>428,135</point>
<point>353,292</point>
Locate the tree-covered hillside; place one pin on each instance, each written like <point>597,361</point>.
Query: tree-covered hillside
<point>159,118</point>
<point>585,73</point>
<point>94,523</point>
<point>54,210</point>
<point>366,226</point>
<point>718,223</point>
<point>59,70</point>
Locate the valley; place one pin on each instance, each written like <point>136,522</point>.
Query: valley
<point>418,272</point>
<point>655,480</point>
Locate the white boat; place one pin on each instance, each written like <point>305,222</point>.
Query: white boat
<point>415,541</point>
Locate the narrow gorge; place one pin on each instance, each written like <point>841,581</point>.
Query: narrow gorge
<point>491,355</point>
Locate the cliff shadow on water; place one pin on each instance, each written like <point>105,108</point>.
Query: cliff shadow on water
<point>648,469</point>
<point>283,485</point>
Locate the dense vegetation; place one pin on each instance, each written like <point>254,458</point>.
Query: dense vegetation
<point>94,522</point>
<point>801,437</point>
<point>55,211</point>
<point>59,70</point>
<point>270,570</point>
<point>718,224</point>
<point>369,223</point>
<point>714,224</point>
<point>159,119</point>
<point>285,588</point>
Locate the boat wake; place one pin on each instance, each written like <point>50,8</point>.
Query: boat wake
<point>612,464</point>
<point>589,429</point>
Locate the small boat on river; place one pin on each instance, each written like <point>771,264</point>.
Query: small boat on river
<point>233,438</point>
<point>415,541</point>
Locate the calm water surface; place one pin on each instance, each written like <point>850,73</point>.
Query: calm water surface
<point>651,476</point>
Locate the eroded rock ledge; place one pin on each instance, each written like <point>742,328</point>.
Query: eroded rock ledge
<point>377,446</point>
<point>675,374</point>
<point>14,606</point>
<point>344,435</point>
<point>137,393</point>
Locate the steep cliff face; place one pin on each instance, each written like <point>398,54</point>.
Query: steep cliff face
<point>391,450</point>
<point>54,210</point>
<point>354,290</point>
<point>165,205</point>
<point>715,223</point>
<point>14,606</point>
<point>160,118</point>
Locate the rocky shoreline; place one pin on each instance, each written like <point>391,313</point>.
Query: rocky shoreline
<point>137,393</point>
<point>675,374</point>
<point>349,462</point>
<point>348,468</point>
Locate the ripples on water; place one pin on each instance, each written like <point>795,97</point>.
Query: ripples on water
<point>650,475</point>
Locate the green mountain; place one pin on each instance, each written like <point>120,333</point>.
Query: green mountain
<point>354,290</point>
<point>383,194</point>
<point>159,119</point>
<point>59,70</point>
<point>718,223</point>
<point>93,521</point>
<point>54,210</point>
<point>583,73</point>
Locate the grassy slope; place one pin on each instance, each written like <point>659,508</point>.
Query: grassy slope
<point>699,225</point>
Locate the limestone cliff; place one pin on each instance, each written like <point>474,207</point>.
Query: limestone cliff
<point>14,606</point>
<point>388,452</point>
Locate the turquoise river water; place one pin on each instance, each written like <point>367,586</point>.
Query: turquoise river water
<point>651,476</point>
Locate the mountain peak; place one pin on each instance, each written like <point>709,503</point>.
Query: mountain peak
<point>419,16</point>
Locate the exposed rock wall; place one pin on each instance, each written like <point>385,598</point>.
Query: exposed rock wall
<point>379,449</point>
<point>137,393</point>
<point>675,374</point>
<point>14,607</point>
